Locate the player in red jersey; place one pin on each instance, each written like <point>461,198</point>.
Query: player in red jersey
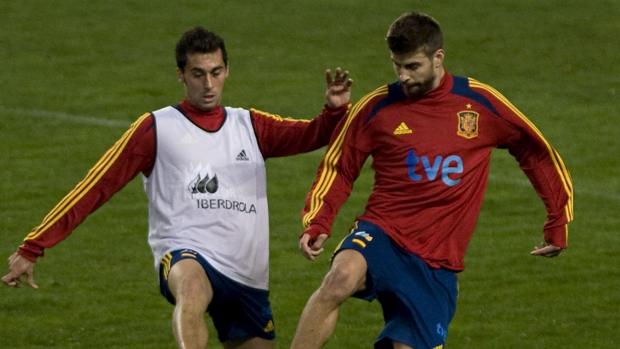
<point>430,136</point>
<point>240,309</point>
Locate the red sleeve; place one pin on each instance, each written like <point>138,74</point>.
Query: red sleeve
<point>542,165</point>
<point>281,136</point>
<point>341,165</point>
<point>133,153</point>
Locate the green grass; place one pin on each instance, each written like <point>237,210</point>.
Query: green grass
<point>62,60</point>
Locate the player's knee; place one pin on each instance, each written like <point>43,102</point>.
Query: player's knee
<point>191,290</point>
<point>340,283</point>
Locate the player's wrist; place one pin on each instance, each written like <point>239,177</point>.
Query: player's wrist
<point>336,110</point>
<point>314,232</point>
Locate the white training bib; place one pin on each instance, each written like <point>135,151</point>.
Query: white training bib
<point>207,192</point>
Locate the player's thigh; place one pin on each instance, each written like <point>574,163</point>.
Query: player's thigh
<point>188,282</point>
<point>252,343</point>
<point>347,272</point>
<point>398,345</point>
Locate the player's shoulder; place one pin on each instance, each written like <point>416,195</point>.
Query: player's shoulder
<point>145,120</point>
<point>377,95</point>
<point>477,91</point>
<point>378,99</point>
<point>461,83</point>
<point>237,110</point>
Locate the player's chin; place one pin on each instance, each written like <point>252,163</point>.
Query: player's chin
<point>412,91</point>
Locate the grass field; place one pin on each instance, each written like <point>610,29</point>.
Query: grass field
<point>76,74</point>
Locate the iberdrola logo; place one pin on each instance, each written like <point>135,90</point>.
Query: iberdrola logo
<point>203,185</point>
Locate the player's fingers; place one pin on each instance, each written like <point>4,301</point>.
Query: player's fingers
<point>304,246</point>
<point>320,240</point>
<point>328,77</point>
<point>10,281</point>
<point>303,241</point>
<point>31,281</point>
<point>316,252</point>
<point>348,83</point>
<point>308,253</point>
<point>338,76</point>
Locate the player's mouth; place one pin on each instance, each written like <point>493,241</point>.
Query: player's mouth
<point>411,88</point>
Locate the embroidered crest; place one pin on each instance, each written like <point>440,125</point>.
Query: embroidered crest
<point>468,124</point>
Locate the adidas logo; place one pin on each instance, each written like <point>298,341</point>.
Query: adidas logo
<point>242,156</point>
<point>402,129</point>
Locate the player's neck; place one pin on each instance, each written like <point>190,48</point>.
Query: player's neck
<point>196,112</point>
<point>441,72</point>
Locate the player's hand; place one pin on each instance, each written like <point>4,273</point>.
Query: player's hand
<point>311,249</point>
<point>546,250</point>
<point>338,91</point>
<point>19,267</point>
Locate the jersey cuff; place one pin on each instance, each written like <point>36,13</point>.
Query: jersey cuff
<point>30,252</point>
<point>314,232</point>
<point>341,110</point>
<point>557,236</point>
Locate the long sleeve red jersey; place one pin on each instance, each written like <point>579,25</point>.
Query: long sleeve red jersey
<point>431,162</point>
<point>134,153</point>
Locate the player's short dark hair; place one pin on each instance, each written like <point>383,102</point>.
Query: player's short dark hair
<point>198,40</point>
<point>412,31</point>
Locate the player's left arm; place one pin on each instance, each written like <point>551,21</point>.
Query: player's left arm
<point>543,166</point>
<point>283,136</point>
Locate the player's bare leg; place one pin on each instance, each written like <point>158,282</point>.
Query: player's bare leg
<point>192,291</point>
<point>398,345</point>
<point>252,343</point>
<point>318,320</point>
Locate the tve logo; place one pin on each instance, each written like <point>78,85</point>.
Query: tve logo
<point>451,165</point>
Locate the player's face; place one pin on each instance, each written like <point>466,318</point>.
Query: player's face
<point>204,77</point>
<point>417,72</point>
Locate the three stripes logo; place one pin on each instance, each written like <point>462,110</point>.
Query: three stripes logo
<point>402,129</point>
<point>242,156</point>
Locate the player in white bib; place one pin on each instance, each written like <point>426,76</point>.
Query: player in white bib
<point>204,176</point>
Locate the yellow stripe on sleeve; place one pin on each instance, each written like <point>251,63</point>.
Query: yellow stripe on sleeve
<point>329,172</point>
<point>276,117</point>
<point>91,178</point>
<point>555,157</point>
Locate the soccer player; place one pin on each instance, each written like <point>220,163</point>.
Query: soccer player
<point>430,135</point>
<point>204,176</point>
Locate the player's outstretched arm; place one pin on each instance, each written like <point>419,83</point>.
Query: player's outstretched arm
<point>546,250</point>
<point>312,248</point>
<point>338,91</point>
<point>18,268</point>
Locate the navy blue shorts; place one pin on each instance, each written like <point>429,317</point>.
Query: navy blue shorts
<point>238,311</point>
<point>418,301</point>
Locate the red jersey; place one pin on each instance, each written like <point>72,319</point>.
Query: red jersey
<point>431,161</point>
<point>134,153</point>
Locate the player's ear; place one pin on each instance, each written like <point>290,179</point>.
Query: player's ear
<point>180,75</point>
<point>438,58</point>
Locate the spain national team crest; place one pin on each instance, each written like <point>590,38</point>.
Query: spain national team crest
<point>468,124</point>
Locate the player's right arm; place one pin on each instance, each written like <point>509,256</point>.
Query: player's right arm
<point>133,153</point>
<point>349,148</point>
